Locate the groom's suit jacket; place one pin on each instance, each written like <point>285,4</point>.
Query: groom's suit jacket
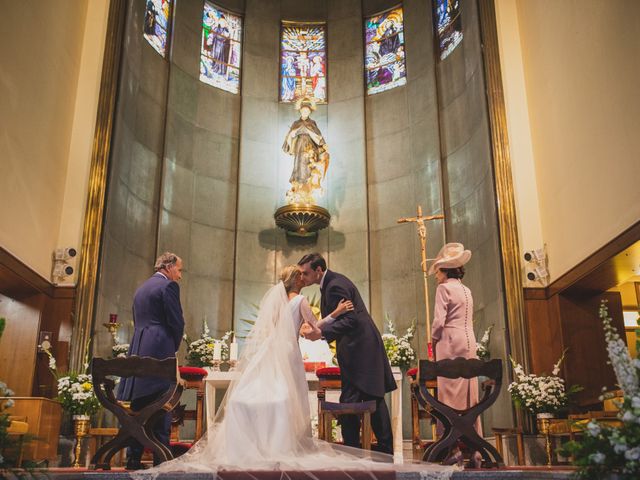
<point>361,354</point>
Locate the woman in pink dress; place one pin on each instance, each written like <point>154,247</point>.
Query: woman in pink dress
<point>452,330</point>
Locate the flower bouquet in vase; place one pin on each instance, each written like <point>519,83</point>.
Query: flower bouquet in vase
<point>399,349</point>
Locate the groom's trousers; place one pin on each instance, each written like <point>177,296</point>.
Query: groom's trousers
<point>380,420</point>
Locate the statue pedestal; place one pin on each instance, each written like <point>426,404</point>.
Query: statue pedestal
<point>302,220</point>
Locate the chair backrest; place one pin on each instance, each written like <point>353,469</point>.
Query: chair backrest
<point>133,367</point>
<point>461,368</point>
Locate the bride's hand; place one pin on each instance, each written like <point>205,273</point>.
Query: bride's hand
<point>305,329</point>
<point>343,307</point>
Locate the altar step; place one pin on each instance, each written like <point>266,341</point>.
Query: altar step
<point>509,473</point>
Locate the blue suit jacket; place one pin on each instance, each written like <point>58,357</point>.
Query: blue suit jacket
<point>159,325</point>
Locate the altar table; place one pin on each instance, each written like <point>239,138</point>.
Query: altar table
<point>220,381</point>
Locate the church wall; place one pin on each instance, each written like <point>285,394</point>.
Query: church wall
<point>40,74</point>
<point>580,65</point>
<point>403,169</point>
<point>198,194</point>
<point>262,249</point>
<point>403,155</point>
<point>469,193</point>
<point>131,213</point>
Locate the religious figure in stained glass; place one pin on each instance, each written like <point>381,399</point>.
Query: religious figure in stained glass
<point>303,63</point>
<point>221,47</point>
<point>448,25</point>
<point>384,51</point>
<point>305,143</point>
<point>156,20</point>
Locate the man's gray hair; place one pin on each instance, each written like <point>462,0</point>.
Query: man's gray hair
<point>165,260</point>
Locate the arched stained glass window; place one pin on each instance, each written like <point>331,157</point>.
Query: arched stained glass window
<point>384,51</point>
<point>221,48</point>
<point>303,62</point>
<point>156,24</point>
<point>448,25</point>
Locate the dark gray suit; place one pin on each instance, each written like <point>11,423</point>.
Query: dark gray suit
<point>364,366</point>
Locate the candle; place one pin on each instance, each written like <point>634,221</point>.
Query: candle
<point>233,350</point>
<point>217,351</point>
<point>113,318</point>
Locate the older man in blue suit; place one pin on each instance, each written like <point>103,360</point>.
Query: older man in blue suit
<point>159,325</point>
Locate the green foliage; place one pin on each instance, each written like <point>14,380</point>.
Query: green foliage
<point>3,322</point>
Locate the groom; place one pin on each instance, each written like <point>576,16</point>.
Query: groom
<point>364,367</point>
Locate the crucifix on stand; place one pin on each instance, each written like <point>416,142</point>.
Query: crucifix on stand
<point>422,233</point>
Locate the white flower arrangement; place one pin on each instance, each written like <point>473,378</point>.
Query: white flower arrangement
<point>539,393</point>
<point>200,351</point>
<point>482,349</point>
<point>399,350</point>
<point>120,350</point>
<point>75,390</point>
<point>75,393</point>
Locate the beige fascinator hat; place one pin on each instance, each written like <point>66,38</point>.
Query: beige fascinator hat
<point>452,255</point>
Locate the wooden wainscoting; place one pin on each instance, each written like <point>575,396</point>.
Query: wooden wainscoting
<point>32,304</point>
<point>564,315</point>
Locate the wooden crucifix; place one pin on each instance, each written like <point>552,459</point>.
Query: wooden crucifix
<point>422,233</point>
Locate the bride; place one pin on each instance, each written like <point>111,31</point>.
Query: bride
<point>264,420</point>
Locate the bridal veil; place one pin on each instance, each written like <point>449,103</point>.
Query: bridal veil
<point>263,422</point>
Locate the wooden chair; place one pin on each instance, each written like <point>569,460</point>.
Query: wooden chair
<point>18,427</point>
<point>193,378</point>
<point>329,410</point>
<point>133,425</point>
<point>328,379</point>
<point>418,413</point>
<point>500,433</point>
<point>459,424</point>
<point>99,436</point>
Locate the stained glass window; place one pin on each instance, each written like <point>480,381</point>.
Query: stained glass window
<point>156,22</point>
<point>221,48</point>
<point>448,25</point>
<point>384,51</point>
<point>303,62</point>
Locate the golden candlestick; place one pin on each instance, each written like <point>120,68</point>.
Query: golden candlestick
<point>544,425</point>
<point>81,425</point>
<point>112,327</point>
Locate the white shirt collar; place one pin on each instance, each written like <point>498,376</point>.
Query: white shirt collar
<point>322,279</point>
<point>160,273</point>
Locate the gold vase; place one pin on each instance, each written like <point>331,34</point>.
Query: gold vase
<point>81,425</point>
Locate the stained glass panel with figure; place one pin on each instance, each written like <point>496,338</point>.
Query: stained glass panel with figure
<point>303,62</point>
<point>221,48</point>
<point>156,22</point>
<point>448,25</point>
<point>384,51</point>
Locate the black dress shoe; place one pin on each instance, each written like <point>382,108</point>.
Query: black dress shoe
<point>134,465</point>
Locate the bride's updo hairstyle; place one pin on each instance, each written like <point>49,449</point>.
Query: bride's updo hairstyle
<point>289,276</point>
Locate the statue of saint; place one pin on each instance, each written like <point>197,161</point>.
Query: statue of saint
<point>310,156</point>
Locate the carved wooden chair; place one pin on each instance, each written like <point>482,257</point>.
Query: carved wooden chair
<point>419,413</point>
<point>459,424</point>
<point>133,425</point>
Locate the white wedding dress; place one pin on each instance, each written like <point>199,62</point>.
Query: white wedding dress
<point>264,421</point>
